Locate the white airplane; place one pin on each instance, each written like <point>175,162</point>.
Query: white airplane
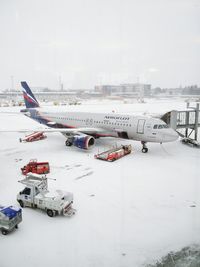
<point>82,128</point>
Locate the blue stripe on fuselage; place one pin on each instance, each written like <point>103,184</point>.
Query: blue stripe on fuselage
<point>35,115</point>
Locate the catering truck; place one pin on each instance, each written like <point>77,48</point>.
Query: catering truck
<point>10,217</point>
<point>36,195</point>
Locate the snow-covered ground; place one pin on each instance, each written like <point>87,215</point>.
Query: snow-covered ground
<point>129,213</point>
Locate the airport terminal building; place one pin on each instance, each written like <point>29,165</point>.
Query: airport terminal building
<point>129,89</point>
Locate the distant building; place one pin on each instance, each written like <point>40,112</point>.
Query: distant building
<point>108,89</point>
<point>40,89</point>
<point>191,90</point>
<point>126,89</point>
<point>187,90</point>
<point>140,88</point>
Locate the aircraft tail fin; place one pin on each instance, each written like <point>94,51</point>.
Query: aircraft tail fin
<point>29,98</point>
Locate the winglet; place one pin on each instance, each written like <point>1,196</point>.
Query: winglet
<point>29,98</point>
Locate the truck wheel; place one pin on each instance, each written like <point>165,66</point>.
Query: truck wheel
<point>21,203</point>
<point>50,213</point>
<point>4,232</point>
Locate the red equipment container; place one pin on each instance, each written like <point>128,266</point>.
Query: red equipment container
<point>114,153</point>
<point>36,167</point>
<point>33,137</point>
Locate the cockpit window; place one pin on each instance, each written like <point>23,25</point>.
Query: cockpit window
<point>165,126</point>
<point>160,126</point>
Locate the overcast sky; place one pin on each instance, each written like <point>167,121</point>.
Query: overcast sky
<point>90,42</point>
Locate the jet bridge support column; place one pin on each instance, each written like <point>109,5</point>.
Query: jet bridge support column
<point>196,119</point>
<point>187,124</point>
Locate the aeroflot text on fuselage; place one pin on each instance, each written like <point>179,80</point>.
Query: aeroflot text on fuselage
<point>117,118</point>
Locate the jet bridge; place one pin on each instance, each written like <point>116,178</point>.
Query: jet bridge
<point>187,119</point>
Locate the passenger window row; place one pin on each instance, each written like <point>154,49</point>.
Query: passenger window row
<point>99,122</point>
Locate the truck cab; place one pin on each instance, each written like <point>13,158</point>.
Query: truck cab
<point>26,196</point>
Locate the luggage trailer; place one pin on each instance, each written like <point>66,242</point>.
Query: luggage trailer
<point>33,137</point>
<point>114,153</point>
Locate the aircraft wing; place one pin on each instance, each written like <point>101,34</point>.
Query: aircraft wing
<point>88,130</point>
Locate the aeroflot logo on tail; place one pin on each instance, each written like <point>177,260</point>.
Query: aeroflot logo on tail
<point>117,118</point>
<point>29,98</point>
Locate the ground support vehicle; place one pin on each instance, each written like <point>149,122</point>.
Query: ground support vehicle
<point>36,167</point>
<point>33,137</point>
<point>10,217</point>
<point>114,153</point>
<point>37,195</point>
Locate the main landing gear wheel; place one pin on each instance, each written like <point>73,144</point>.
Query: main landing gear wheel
<point>68,143</point>
<point>144,150</point>
<point>144,147</point>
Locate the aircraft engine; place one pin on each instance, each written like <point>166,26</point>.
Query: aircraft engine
<point>83,141</point>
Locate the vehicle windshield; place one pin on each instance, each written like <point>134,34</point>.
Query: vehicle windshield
<point>26,191</point>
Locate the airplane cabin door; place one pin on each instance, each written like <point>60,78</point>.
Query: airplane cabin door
<point>140,126</point>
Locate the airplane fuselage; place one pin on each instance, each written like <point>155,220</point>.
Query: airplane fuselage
<point>139,128</point>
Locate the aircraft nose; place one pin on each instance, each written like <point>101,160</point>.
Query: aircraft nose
<point>171,135</point>
<point>175,135</point>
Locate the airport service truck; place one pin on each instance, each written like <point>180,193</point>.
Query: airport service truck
<point>36,195</point>
<point>36,167</point>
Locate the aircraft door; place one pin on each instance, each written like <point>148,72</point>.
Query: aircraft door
<point>140,126</point>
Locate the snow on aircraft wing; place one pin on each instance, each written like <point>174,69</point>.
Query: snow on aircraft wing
<point>60,130</point>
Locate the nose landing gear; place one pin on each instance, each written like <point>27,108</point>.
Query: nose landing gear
<point>144,147</point>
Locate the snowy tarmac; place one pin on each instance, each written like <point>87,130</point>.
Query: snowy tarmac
<point>129,213</point>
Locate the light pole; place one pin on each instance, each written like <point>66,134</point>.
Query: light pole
<point>12,82</point>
